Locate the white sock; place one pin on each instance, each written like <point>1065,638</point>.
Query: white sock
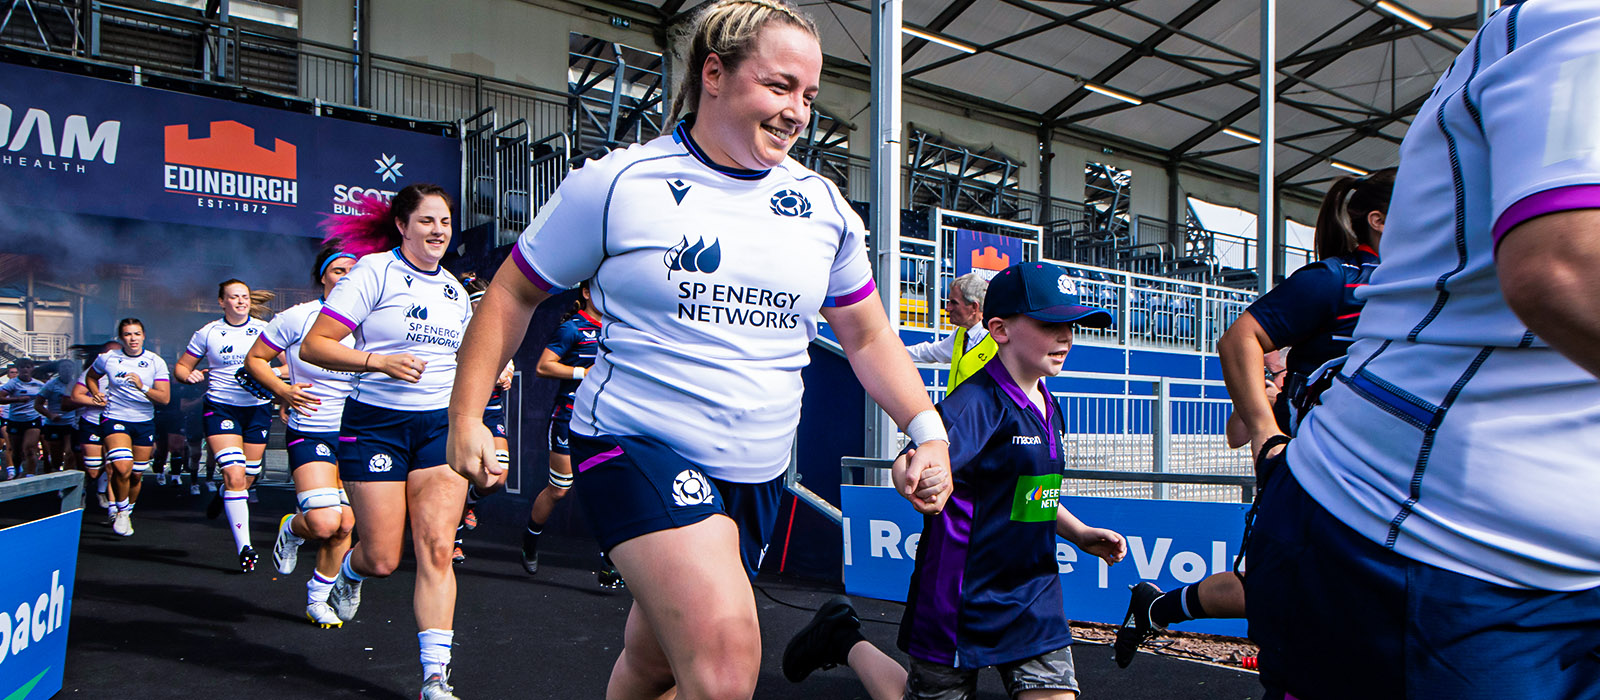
<point>317,588</point>
<point>101,482</point>
<point>435,646</point>
<point>346,570</point>
<point>123,507</point>
<point>236,505</point>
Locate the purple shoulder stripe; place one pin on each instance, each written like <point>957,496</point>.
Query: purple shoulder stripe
<point>330,313</point>
<point>865,291</point>
<point>268,342</point>
<point>1546,202</point>
<point>526,267</point>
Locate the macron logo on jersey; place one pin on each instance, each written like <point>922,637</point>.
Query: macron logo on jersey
<point>679,188</point>
<point>417,312</point>
<point>694,258</point>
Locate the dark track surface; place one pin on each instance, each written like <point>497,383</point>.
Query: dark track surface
<point>166,614</point>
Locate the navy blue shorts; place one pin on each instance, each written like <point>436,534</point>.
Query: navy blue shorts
<point>87,434</point>
<point>1339,616</point>
<point>636,485</point>
<point>382,444</point>
<point>305,448</point>
<point>15,428</point>
<point>142,432</point>
<point>55,433</point>
<point>560,437</point>
<point>248,422</point>
<point>495,421</point>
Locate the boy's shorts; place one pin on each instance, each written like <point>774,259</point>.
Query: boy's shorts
<point>1052,670</point>
<point>635,485</point>
<point>248,422</point>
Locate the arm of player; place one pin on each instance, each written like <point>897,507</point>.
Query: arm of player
<point>550,367</point>
<point>1243,349</point>
<point>185,370</point>
<point>1547,273</point>
<point>322,348</point>
<point>259,364</point>
<point>880,363</point>
<point>83,394</point>
<point>1098,541</point>
<point>42,407</point>
<point>492,336</point>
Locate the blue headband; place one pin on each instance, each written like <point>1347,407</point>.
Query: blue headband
<point>324,269</point>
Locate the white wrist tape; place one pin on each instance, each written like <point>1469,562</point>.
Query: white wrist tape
<point>925,427</point>
<point>578,372</point>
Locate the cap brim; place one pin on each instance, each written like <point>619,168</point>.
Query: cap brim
<point>1082,315</point>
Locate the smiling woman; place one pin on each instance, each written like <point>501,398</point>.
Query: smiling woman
<point>711,257</point>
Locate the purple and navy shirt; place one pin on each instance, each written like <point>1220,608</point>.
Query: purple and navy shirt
<point>986,589</point>
<point>575,344</point>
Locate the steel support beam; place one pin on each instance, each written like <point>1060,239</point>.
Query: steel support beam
<point>887,127</point>
<point>1267,210</point>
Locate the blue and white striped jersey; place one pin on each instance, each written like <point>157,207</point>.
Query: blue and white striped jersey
<point>1455,436</point>
<point>709,281</point>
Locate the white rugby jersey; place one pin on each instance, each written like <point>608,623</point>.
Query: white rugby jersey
<point>1454,436</point>
<point>23,411</point>
<point>392,307</point>
<point>55,392</point>
<point>284,334</point>
<point>224,346</point>
<point>123,401</point>
<point>91,413</point>
<point>709,281</point>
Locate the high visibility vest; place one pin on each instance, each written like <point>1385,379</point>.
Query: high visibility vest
<point>965,363</point>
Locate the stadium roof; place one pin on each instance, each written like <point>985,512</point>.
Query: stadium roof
<point>1350,72</point>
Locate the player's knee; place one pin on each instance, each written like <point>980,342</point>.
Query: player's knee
<point>382,565</point>
<point>323,523</point>
<point>721,678</point>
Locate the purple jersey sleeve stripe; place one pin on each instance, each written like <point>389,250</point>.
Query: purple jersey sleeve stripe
<point>330,313</point>
<point>526,267</point>
<point>1546,202</point>
<point>163,379</point>
<point>865,291</point>
<point>270,344</point>
<point>940,583</point>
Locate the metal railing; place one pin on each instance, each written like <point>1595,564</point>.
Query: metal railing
<point>34,344</point>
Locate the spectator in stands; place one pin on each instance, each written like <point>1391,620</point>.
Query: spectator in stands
<point>969,348</point>
<point>1430,531</point>
<point>1314,312</point>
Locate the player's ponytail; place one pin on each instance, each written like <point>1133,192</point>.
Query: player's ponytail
<point>579,304</point>
<point>1342,222</point>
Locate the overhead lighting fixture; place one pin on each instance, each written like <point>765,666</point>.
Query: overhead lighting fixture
<point>935,38</point>
<point>1113,94</point>
<point>1404,14</point>
<point>1358,172</point>
<point>1240,135</point>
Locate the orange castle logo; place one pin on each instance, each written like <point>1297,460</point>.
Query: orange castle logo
<point>987,258</point>
<point>231,147</point>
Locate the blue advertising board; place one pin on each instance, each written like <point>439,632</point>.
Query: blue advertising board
<point>41,560</point>
<point>985,252</point>
<point>90,146</point>
<point>1171,543</point>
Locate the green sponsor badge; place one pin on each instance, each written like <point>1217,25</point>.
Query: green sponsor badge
<point>1035,498</point>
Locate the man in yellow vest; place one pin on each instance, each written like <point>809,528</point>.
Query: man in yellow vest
<point>970,347</point>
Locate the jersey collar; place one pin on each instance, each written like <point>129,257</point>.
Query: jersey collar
<point>586,315</point>
<point>997,372</point>
<point>681,135</point>
<point>236,325</point>
<point>402,258</point>
<point>1364,248</point>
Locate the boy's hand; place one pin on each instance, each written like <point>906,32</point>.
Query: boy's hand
<point>1103,543</point>
<point>922,476</point>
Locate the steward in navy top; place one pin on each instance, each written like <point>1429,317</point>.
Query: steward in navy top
<point>986,589</point>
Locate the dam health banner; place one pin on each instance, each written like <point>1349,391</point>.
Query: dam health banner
<point>89,146</point>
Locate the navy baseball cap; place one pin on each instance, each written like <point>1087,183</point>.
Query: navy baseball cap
<point>1042,291</point>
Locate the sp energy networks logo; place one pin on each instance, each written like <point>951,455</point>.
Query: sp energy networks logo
<point>694,258</point>
<point>418,312</point>
<point>228,170</point>
<point>1035,499</point>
